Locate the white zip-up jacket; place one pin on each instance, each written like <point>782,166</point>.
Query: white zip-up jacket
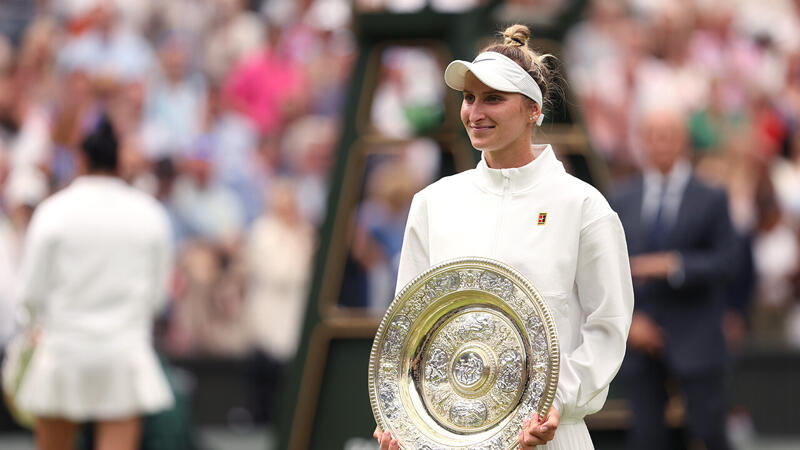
<point>562,235</point>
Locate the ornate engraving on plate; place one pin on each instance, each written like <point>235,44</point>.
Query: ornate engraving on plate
<point>510,371</point>
<point>389,400</point>
<point>496,284</point>
<point>469,278</point>
<point>539,342</point>
<point>494,444</point>
<point>534,323</point>
<point>396,335</point>
<point>476,326</point>
<point>468,368</point>
<point>538,384</point>
<point>436,366</point>
<point>469,349</point>
<point>468,414</point>
<point>474,340</point>
<point>443,284</point>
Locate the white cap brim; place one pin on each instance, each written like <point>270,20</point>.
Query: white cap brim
<point>456,73</point>
<point>496,71</point>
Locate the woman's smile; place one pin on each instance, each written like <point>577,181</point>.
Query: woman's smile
<point>480,128</point>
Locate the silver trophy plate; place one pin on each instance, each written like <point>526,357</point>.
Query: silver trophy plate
<point>465,354</point>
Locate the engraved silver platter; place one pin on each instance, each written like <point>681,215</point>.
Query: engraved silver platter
<point>466,352</point>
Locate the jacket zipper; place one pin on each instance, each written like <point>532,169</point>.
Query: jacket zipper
<point>499,223</point>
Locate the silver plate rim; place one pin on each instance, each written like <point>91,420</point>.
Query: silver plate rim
<point>547,320</point>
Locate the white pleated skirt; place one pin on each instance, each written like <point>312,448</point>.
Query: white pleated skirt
<point>570,436</point>
<point>80,382</point>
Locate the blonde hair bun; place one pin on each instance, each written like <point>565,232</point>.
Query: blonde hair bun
<point>516,35</point>
<point>515,47</point>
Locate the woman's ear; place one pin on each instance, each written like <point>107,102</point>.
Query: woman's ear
<point>533,112</point>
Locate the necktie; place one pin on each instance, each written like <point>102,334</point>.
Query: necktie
<point>658,229</point>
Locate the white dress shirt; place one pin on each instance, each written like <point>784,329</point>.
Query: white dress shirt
<point>577,260</point>
<point>674,183</point>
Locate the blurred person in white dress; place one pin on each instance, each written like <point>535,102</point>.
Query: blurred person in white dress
<point>94,271</point>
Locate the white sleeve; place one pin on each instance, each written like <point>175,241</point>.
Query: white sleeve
<point>414,256</point>
<point>605,293</point>
<point>34,274</point>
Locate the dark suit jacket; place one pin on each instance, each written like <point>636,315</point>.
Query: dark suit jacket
<point>690,312</point>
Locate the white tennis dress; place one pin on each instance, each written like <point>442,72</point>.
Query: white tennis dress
<point>561,234</point>
<point>95,267</point>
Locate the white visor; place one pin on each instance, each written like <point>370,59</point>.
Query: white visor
<point>498,72</point>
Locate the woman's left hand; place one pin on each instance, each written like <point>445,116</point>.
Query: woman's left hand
<point>538,432</point>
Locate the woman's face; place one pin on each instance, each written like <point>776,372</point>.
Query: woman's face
<point>495,120</point>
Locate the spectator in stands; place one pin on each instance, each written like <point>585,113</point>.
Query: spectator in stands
<point>208,316</point>
<point>381,221</point>
<point>605,42</point>
<point>206,208</point>
<point>277,257</point>
<point>110,51</point>
<point>175,101</point>
<point>307,149</point>
<point>267,85</point>
<point>278,261</point>
<point>17,14</point>
<point>232,140</point>
<point>25,188</point>
<point>680,239</point>
<point>776,254</point>
<point>232,33</point>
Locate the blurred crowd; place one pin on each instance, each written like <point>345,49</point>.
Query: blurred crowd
<point>227,111</point>
<point>229,116</point>
<point>733,70</point>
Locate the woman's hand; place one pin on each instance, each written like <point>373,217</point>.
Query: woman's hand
<point>385,440</point>
<point>535,432</point>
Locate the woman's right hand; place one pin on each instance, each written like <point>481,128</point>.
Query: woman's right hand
<point>385,440</point>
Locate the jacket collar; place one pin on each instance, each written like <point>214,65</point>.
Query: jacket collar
<point>518,179</point>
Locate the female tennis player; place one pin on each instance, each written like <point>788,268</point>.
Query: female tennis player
<point>521,207</point>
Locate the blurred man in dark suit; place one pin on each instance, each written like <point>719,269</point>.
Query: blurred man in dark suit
<point>681,244</point>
